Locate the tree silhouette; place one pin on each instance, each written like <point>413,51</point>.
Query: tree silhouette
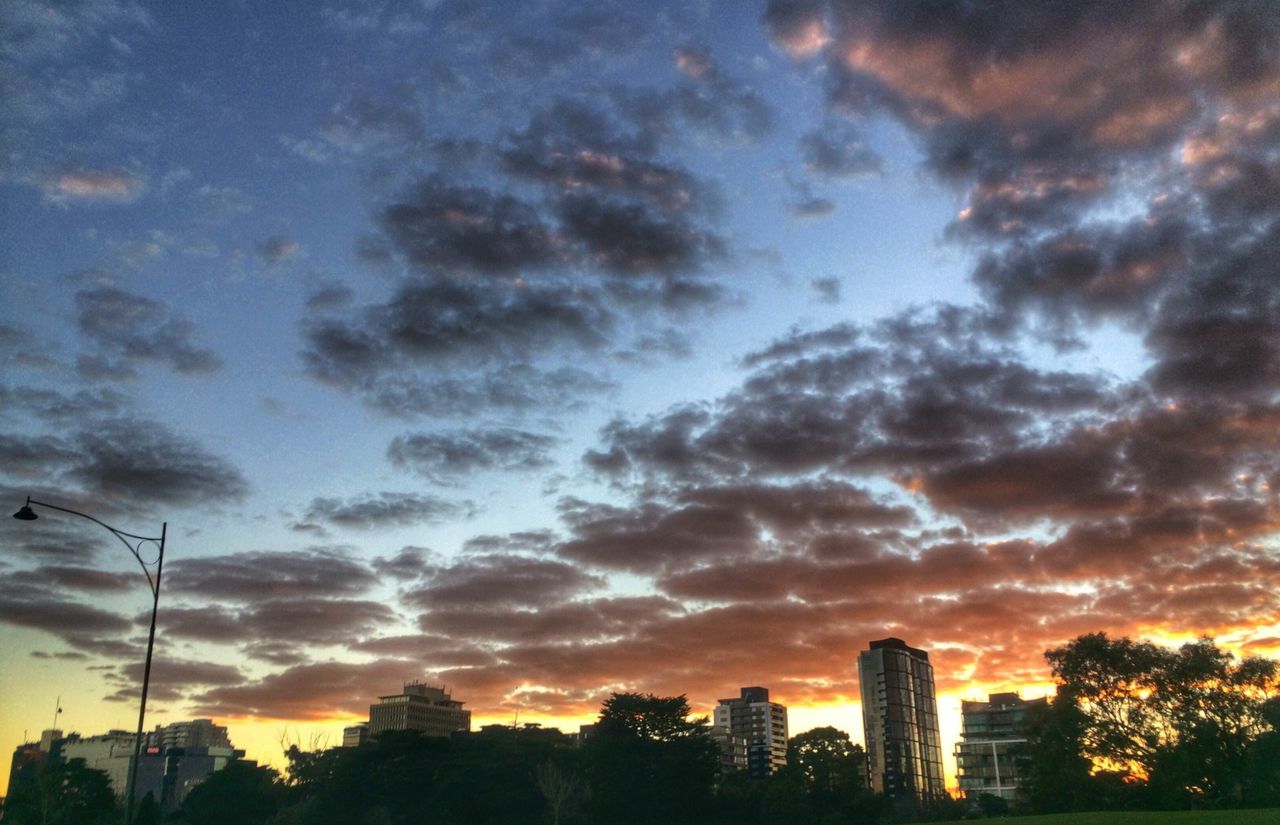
<point>1182,721</point>
<point>63,793</point>
<point>648,762</point>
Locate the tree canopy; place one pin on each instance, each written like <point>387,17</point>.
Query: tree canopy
<point>1181,721</point>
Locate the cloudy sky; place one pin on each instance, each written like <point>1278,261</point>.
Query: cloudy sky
<point>552,349</point>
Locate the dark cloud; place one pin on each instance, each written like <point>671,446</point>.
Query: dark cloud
<point>446,321</point>
<point>132,329</point>
<point>256,575</point>
<point>386,510</point>
<point>437,226</point>
<point>439,651</point>
<point>798,26</point>
<point>276,250</point>
<point>177,677</point>
<point>570,146</point>
<point>527,541</point>
<point>827,289</point>
<point>451,347</point>
<point>312,691</point>
<point>651,536</point>
<point>280,625</point>
<point>629,238</point>
<point>365,125</point>
<point>439,456</point>
<point>61,408</point>
<point>316,621</point>
<point>806,204</point>
<point>330,297</point>
<point>143,462</point>
<point>85,579</point>
<point>501,579</point>
<point>580,621</point>
<point>837,152</point>
<point>36,606</point>
<point>409,563</point>
<point>703,524</point>
<point>714,102</point>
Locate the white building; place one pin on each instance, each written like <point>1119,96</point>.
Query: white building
<point>761,723</point>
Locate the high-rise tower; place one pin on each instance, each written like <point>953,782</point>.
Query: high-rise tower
<point>900,721</point>
<point>761,724</point>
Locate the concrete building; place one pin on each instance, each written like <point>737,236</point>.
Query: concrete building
<point>356,735</point>
<point>734,750</point>
<point>760,723</point>
<point>900,722</point>
<point>110,752</point>
<point>195,733</point>
<point>167,772</point>
<point>991,733</point>
<point>420,707</point>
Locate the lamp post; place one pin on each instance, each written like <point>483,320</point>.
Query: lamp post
<point>134,543</point>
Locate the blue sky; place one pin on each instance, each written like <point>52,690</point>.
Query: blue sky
<point>539,351</point>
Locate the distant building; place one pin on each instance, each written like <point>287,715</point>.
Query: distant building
<point>991,733</point>
<point>733,749</point>
<point>429,710</point>
<point>166,771</point>
<point>30,757</point>
<point>584,733</point>
<point>356,735</point>
<point>110,752</point>
<point>190,734</point>
<point>900,721</point>
<point>761,724</point>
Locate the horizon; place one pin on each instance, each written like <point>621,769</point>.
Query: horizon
<point>577,348</point>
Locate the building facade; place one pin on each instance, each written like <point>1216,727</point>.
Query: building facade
<point>195,733</point>
<point>991,734</point>
<point>761,724</point>
<point>353,736</point>
<point>429,710</point>
<point>900,721</point>
<point>168,772</point>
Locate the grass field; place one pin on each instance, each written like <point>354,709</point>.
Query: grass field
<point>1270,816</point>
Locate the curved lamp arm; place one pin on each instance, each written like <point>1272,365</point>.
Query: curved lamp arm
<point>135,546</point>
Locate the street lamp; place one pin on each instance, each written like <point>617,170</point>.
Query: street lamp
<point>134,543</point>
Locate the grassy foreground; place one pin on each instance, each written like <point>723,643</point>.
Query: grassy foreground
<point>1269,816</point>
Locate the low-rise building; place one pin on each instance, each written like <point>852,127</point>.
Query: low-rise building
<point>429,710</point>
<point>992,733</point>
<point>166,772</point>
<point>353,736</point>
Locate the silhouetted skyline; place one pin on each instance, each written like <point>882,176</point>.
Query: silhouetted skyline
<point>552,351</point>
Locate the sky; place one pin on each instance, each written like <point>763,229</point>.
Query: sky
<point>552,349</point>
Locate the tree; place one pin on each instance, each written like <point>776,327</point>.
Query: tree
<point>558,787</point>
<point>240,792</point>
<point>63,793</point>
<point>828,760</point>
<point>833,772</point>
<point>649,762</point>
<point>1055,771</point>
<point>1179,720</point>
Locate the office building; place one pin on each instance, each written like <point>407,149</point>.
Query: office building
<point>992,732</point>
<point>900,721</point>
<point>429,710</point>
<point>356,735</point>
<point>761,724</point>
<point>195,733</point>
<point>166,772</point>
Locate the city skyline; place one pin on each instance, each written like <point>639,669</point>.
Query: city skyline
<point>547,352</point>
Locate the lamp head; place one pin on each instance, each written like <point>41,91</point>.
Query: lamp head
<point>26,513</point>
